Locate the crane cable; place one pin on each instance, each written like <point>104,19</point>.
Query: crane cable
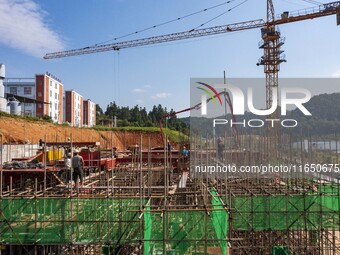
<point>290,2</point>
<point>229,10</point>
<point>116,78</point>
<point>312,2</point>
<point>166,22</point>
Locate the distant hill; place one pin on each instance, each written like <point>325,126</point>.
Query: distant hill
<point>324,106</point>
<point>325,119</point>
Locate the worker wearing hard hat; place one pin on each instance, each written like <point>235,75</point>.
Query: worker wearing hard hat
<point>77,164</point>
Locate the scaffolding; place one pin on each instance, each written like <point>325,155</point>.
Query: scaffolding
<point>151,204</point>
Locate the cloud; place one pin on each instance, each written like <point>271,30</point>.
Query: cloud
<point>336,74</point>
<point>145,88</point>
<point>23,27</point>
<point>161,95</point>
<point>138,90</point>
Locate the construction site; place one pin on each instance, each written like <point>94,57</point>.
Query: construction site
<point>146,201</point>
<point>143,193</point>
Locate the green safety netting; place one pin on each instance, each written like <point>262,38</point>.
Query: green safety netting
<point>116,221</point>
<point>181,232</point>
<point>51,220</point>
<point>310,211</point>
<point>281,250</point>
<point>147,228</point>
<point>220,220</point>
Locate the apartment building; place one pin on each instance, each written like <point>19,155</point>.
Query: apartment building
<point>43,95</point>
<point>73,108</point>
<point>89,113</point>
<point>49,89</point>
<point>23,87</point>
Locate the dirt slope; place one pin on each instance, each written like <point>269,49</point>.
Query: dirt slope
<point>17,131</point>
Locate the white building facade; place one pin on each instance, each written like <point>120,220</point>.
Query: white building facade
<point>23,87</point>
<point>49,89</point>
<point>89,113</point>
<point>74,108</point>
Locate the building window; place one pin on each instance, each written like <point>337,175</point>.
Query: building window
<point>50,93</point>
<point>56,86</point>
<point>27,90</point>
<point>39,94</point>
<point>50,83</point>
<point>56,95</point>
<point>39,105</point>
<point>56,106</point>
<point>13,90</point>
<point>28,104</point>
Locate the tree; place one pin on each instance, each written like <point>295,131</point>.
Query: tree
<point>138,116</point>
<point>99,110</point>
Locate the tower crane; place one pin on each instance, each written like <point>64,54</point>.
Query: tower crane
<point>271,38</point>
<point>286,17</point>
<point>271,44</point>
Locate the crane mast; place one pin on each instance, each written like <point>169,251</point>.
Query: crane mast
<point>271,44</point>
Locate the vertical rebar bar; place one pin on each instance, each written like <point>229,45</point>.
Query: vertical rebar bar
<point>1,173</point>
<point>149,168</point>
<point>45,165</point>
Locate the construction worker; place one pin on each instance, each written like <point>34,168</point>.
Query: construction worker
<point>77,164</point>
<point>182,245</point>
<point>114,152</point>
<point>65,172</point>
<point>135,149</point>
<point>220,148</point>
<point>185,152</point>
<point>169,147</point>
<point>68,166</point>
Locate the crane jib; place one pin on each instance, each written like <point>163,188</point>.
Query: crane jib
<point>286,17</point>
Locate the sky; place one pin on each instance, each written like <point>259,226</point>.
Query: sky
<point>155,74</point>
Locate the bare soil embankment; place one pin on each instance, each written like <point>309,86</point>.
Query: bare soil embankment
<point>19,131</point>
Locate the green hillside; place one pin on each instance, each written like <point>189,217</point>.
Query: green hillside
<point>325,119</point>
